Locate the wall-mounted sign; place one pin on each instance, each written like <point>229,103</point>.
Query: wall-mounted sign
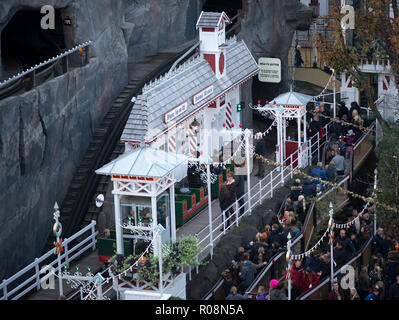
<point>270,70</point>
<point>203,94</point>
<point>176,111</point>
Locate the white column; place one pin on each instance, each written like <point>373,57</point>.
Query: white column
<point>305,139</point>
<point>208,180</point>
<point>173,212</point>
<point>279,138</point>
<point>154,223</point>
<point>118,221</point>
<point>299,143</point>
<point>248,160</point>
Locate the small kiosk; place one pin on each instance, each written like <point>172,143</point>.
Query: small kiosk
<point>144,180</point>
<point>287,106</point>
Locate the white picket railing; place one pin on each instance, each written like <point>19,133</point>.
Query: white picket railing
<point>34,281</point>
<point>262,190</point>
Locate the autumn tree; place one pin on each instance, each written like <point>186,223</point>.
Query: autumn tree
<point>375,37</point>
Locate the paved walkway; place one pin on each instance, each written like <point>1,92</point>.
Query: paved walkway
<point>201,220</point>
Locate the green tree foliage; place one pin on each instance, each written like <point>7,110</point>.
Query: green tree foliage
<point>388,181</point>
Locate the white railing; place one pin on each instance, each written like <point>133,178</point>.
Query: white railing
<point>260,191</point>
<point>34,280</point>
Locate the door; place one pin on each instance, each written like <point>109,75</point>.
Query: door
<point>164,216</point>
<point>372,79</point>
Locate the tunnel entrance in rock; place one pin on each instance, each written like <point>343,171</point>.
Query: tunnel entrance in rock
<point>231,7</point>
<point>24,43</point>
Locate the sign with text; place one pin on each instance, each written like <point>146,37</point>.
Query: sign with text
<point>175,112</point>
<point>270,70</point>
<point>203,94</point>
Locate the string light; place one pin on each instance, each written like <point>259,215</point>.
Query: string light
<point>334,185</point>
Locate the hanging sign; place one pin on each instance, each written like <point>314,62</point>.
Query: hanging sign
<point>176,111</point>
<point>203,94</point>
<point>270,70</point>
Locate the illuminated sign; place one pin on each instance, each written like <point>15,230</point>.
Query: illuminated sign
<point>176,111</point>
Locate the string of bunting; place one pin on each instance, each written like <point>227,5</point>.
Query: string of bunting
<point>325,234</point>
<point>325,88</point>
<point>342,122</point>
<point>334,185</point>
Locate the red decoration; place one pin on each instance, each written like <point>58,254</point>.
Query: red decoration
<point>240,125</point>
<point>258,101</point>
<point>221,63</point>
<point>232,125</point>
<point>81,54</point>
<point>267,102</point>
<point>274,102</point>
<point>224,125</point>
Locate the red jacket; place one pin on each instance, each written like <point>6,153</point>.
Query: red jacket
<point>295,275</point>
<point>306,282</point>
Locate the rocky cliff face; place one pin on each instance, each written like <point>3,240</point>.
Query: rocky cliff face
<point>268,28</point>
<point>45,132</point>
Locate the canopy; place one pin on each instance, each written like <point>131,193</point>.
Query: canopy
<point>144,162</point>
<point>292,98</point>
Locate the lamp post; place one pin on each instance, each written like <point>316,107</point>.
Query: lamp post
<point>288,257</point>
<point>331,225</point>
<point>57,230</point>
<point>247,135</point>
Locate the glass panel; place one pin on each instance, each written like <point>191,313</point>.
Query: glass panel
<point>164,216</point>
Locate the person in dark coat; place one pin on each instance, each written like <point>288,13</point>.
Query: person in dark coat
<point>342,109</point>
<point>341,256</point>
<point>260,149</point>
<point>331,172</point>
<point>226,199</point>
<point>193,176</point>
<point>314,126</point>
<point>346,242</point>
<point>240,189</point>
<point>274,236</point>
<point>296,190</point>
<point>248,272</point>
<point>394,290</point>
<point>337,293</point>
<point>308,189</point>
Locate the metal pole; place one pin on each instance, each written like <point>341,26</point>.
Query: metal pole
<point>335,98</point>
<point>208,181</point>
<point>289,264</point>
<point>160,264</point>
<point>118,220</point>
<point>331,223</point>
<point>247,155</point>
<point>299,143</point>
<point>173,212</point>
<point>375,195</point>
<point>154,224</point>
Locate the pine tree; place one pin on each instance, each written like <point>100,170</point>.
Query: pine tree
<point>388,181</point>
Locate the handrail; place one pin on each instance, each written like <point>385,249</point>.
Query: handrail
<point>308,293</point>
<point>44,63</point>
<point>35,265</point>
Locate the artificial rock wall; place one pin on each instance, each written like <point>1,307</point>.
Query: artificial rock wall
<point>45,132</point>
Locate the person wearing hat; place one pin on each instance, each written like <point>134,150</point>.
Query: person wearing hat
<point>350,140</point>
<point>277,290</point>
